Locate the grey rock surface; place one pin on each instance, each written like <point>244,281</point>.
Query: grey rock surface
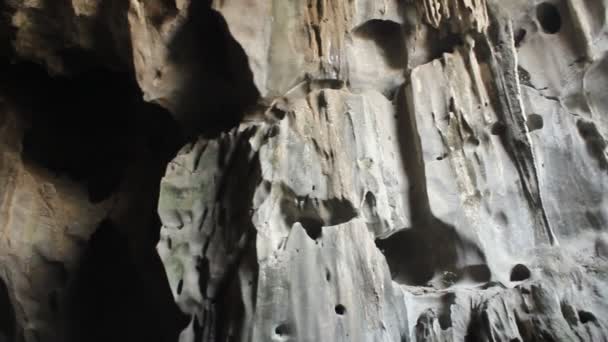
<point>358,170</point>
<point>465,138</point>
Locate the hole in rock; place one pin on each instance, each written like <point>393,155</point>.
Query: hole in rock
<point>519,36</point>
<point>498,128</point>
<point>313,213</point>
<point>370,211</point>
<point>447,42</point>
<point>586,316</point>
<point>445,321</point>
<point>180,286</point>
<point>340,309</point>
<point>534,122</point>
<point>477,273</point>
<point>595,142</point>
<point>520,272</point>
<point>313,226</point>
<point>282,330</point>
<point>549,17</point>
<point>568,313</point>
<point>388,37</point>
<point>415,255</point>
<point>601,247</point>
<point>595,219</point>
<point>327,275</point>
<point>444,315</point>
<point>472,142</point>
<point>524,76</point>
<point>7,315</point>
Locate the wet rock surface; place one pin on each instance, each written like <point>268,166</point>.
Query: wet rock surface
<point>414,170</point>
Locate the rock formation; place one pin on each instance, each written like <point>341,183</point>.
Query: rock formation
<point>350,170</point>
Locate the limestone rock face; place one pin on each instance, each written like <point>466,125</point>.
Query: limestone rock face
<point>357,170</point>
<point>419,126</point>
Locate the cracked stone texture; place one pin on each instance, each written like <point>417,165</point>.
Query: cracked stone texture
<point>413,170</point>
<point>477,170</point>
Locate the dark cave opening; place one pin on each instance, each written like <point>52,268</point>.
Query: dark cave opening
<point>219,89</point>
<point>388,37</point>
<point>520,272</point>
<point>340,309</point>
<point>87,127</point>
<point>586,316</point>
<point>7,315</point>
<point>113,297</point>
<point>282,330</point>
<point>549,17</point>
<point>94,129</point>
<point>518,36</point>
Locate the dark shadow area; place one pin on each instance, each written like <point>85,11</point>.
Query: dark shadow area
<point>87,127</point>
<point>7,32</point>
<point>594,141</point>
<point>388,37</point>
<point>218,88</point>
<point>313,213</point>
<point>534,122</point>
<point>444,315</point>
<point>549,17</point>
<point>430,246</point>
<point>227,282</point>
<point>232,322</point>
<point>94,129</point>
<point>476,330</point>
<point>7,315</point>
<point>340,310</point>
<point>586,316</point>
<point>518,36</point>
<point>520,272</point>
<point>476,273</point>
<point>112,299</point>
<point>442,41</point>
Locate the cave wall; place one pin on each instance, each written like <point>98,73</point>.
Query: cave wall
<point>334,170</point>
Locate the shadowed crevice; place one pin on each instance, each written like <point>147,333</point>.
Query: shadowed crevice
<point>7,315</point>
<point>114,298</point>
<point>87,127</point>
<point>94,130</point>
<point>219,86</point>
<point>415,255</point>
